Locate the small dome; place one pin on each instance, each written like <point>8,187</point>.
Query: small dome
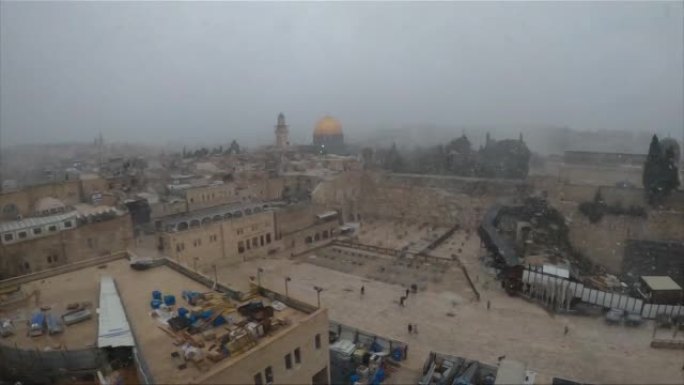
<point>328,126</point>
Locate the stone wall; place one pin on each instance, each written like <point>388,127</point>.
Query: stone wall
<point>69,192</point>
<point>604,242</point>
<point>614,195</point>
<point>223,242</point>
<point>162,209</point>
<point>599,176</point>
<point>302,335</point>
<point>440,200</point>
<point>84,242</point>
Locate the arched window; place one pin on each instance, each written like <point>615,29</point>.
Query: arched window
<point>317,237</point>
<point>308,239</point>
<point>194,223</point>
<point>182,226</point>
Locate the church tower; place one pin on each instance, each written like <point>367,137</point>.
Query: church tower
<point>281,132</point>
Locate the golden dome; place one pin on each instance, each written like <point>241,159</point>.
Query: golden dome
<point>328,126</point>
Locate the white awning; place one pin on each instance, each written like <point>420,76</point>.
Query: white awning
<point>113,328</point>
<point>327,215</point>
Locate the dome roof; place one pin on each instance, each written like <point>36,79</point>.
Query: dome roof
<point>328,126</point>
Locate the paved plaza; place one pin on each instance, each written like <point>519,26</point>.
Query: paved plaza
<point>452,321</point>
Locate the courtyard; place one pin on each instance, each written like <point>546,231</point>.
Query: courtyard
<point>451,320</point>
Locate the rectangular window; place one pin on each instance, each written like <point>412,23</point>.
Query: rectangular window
<point>261,241</point>
<point>67,224</point>
<point>257,379</point>
<point>241,247</point>
<point>54,258</point>
<point>298,356</point>
<point>255,242</point>
<point>248,245</point>
<point>268,373</point>
<point>317,341</point>
<point>49,258</point>
<point>22,234</point>
<point>178,249</point>
<point>52,228</point>
<point>37,231</point>
<point>268,238</point>
<point>288,361</point>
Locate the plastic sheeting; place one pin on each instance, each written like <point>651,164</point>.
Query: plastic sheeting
<point>113,327</point>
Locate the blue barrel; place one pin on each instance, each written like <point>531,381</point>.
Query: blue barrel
<point>155,304</point>
<point>182,312</point>
<point>156,294</point>
<point>206,314</point>
<point>169,300</point>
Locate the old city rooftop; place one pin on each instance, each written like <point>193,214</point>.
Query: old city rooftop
<point>153,338</point>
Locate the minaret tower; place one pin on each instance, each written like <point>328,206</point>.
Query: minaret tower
<point>281,132</point>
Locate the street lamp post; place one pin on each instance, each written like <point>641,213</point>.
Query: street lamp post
<point>287,279</point>
<point>318,295</point>
<point>259,271</point>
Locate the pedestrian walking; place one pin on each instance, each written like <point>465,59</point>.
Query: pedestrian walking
<point>405,351</point>
<point>410,328</point>
<point>489,305</point>
<point>567,329</point>
<point>401,301</point>
<point>363,290</point>
<point>407,292</point>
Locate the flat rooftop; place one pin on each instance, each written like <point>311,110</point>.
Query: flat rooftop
<point>135,290</point>
<point>660,283</point>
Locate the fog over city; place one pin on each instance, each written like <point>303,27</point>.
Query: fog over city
<point>205,72</point>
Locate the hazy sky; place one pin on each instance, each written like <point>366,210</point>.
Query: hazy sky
<point>215,71</point>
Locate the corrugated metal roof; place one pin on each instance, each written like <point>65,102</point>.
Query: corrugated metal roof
<point>113,328</point>
<point>35,222</point>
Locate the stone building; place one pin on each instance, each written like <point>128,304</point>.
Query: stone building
<point>284,342</point>
<point>211,195</point>
<point>22,203</point>
<point>34,244</point>
<point>302,226</point>
<point>328,137</point>
<point>219,235</point>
